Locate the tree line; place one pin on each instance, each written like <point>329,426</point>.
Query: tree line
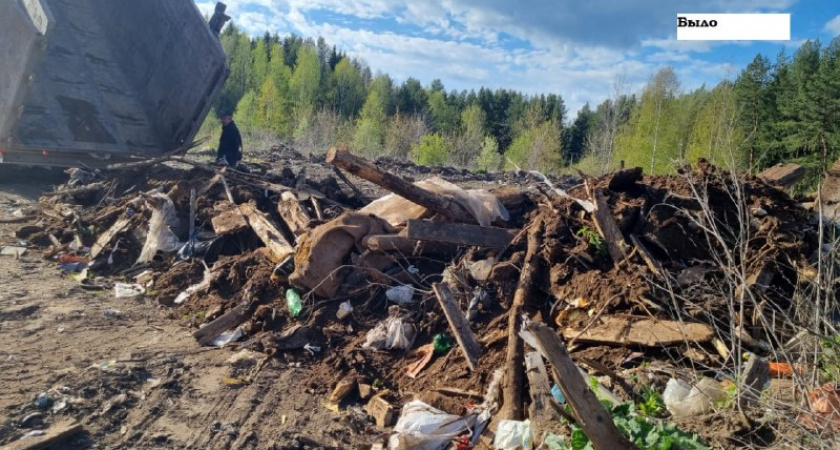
<point>313,96</point>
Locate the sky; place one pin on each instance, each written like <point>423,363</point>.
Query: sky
<point>575,48</point>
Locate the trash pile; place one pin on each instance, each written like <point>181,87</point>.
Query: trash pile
<point>464,316</point>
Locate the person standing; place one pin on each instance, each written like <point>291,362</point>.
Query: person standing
<point>230,143</point>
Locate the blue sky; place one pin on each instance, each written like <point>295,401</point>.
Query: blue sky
<point>577,49</point>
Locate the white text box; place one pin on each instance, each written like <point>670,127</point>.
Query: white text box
<point>733,27</point>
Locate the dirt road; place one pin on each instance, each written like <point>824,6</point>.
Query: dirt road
<point>133,376</point>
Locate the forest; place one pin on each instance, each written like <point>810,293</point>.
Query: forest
<point>308,94</point>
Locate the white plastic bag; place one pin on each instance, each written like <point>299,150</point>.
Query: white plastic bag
<point>422,427</point>
<point>391,333</point>
<point>160,237</point>
<point>125,290</point>
<point>512,434</point>
<point>684,400</point>
<point>400,295</point>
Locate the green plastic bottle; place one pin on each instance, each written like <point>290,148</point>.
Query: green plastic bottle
<point>442,343</point>
<point>293,302</point>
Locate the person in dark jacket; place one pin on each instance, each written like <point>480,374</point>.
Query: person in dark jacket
<point>230,143</point>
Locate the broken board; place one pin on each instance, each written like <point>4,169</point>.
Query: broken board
<point>635,330</point>
<point>229,220</point>
<point>458,233</point>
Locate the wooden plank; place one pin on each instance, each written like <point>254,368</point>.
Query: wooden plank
<point>593,418</point>
<point>755,376</point>
<point>277,247</point>
<point>458,324</point>
<point>365,169</point>
<point>228,320</point>
<point>648,257</point>
<point>54,435</point>
<point>229,220</point>
<point>541,413</point>
<point>634,330</point>
<point>293,214</point>
<point>458,233</point>
<point>105,238</point>
<point>402,244</point>
<point>783,175</point>
<point>605,222</point>
<point>514,357</point>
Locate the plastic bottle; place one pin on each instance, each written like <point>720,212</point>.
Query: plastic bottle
<point>442,343</point>
<point>293,302</point>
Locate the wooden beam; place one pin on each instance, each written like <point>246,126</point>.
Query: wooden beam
<point>231,319</point>
<point>458,324</point>
<point>634,330</point>
<point>605,222</point>
<point>514,358</point>
<point>53,436</point>
<point>542,415</point>
<point>365,169</point>
<point>783,175</point>
<point>755,376</point>
<point>228,220</point>
<point>458,233</point>
<point>293,214</point>
<point>105,238</point>
<point>407,246</point>
<point>593,418</point>
<point>648,257</point>
<point>276,245</point>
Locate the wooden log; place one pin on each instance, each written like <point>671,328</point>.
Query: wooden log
<point>359,194</point>
<point>86,189</point>
<point>593,418</point>
<point>54,435</point>
<point>605,222</point>
<point>648,257</point>
<point>277,247</point>
<point>293,214</point>
<point>458,324</point>
<point>105,238</point>
<point>458,233</point>
<point>407,246</point>
<point>514,358</point>
<point>364,169</point>
<point>231,319</point>
<point>783,175</point>
<point>542,415</point>
<point>635,330</point>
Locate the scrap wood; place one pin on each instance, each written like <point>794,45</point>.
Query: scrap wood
<point>593,418</point>
<point>231,319</point>
<point>86,189</point>
<point>228,220</point>
<point>458,233</point>
<point>52,437</point>
<point>105,238</point>
<point>424,357</point>
<point>636,330</point>
<point>458,324</point>
<point>407,246</point>
<point>458,392</point>
<point>541,414</point>
<point>277,247</point>
<point>364,169</point>
<point>606,225</point>
<point>648,257</point>
<point>359,194</point>
<point>783,175</point>
<point>624,179</point>
<point>755,376</point>
<point>514,358</point>
<point>293,214</point>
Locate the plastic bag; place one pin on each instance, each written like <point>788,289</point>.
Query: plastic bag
<point>482,204</point>
<point>160,237</point>
<point>422,427</point>
<point>683,400</point>
<point>400,295</point>
<point>125,290</point>
<point>512,434</point>
<point>391,333</point>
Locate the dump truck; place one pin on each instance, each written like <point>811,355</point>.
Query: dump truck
<point>95,82</point>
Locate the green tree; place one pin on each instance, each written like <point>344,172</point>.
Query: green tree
<point>347,90</point>
<point>431,151</point>
<point>305,83</point>
<point>489,159</point>
<point>752,93</point>
<point>467,143</point>
<point>370,128</point>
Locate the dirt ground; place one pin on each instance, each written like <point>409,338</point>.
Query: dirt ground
<point>136,378</point>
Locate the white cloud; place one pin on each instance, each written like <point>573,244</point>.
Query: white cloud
<point>833,26</point>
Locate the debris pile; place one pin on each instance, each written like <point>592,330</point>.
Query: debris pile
<point>459,314</point>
